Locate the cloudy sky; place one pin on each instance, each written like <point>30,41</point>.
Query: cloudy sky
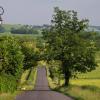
<point>37,12</point>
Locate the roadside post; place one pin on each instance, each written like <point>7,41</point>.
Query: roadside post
<point>1,13</point>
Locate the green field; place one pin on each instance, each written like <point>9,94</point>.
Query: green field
<point>86,87</point>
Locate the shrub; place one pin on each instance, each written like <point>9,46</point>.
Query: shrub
<point>31,56</point>
<point>7,83</point>
<point>11,63</point>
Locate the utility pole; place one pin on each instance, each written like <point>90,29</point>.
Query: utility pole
<point>1,13</point>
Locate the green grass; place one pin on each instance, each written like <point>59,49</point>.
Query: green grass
<point>86,82</point>
<point>81,92</point>
<point>79,89</point>
<point>24,85</point>
<point>23,77</point>
<point>95,74</point>
<point>30,83</point>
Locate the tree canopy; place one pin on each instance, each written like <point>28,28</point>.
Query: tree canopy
<point>64,43</point>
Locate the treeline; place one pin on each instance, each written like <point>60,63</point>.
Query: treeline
<point>20,29</point>
<point>16,55</point>
<point>25,29</point>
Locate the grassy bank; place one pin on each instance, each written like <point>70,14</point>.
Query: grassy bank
<point>24,85</point>
<point>28,84</point>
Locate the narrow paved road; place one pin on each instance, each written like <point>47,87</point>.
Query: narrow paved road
<point>42,90</point>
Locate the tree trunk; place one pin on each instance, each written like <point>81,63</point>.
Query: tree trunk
<point>67,73</point>
<point>59,80</point>
<point>67,77</point>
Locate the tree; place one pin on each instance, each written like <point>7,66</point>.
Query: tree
<point>63,43</point>
<point>11,57</point>
<point>55,70</point>
<point>28,49</point>
<point>11,63</point>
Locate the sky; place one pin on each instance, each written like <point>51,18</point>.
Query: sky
<point>38,12</point>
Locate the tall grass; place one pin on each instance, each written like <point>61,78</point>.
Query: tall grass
<point>28,84</point>
<point>24,85</point>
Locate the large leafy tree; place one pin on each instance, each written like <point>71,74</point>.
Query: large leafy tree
<point>63,43</point>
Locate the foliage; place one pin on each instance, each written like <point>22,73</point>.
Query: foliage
<point>26,29</point>
<point>31,55</point>
<point>40,45</point>
<point>64,43</point>
<point>11,62</point>
<point>28,84</point>
<point>92,37</point>
<point>55,70</point>
<point>7,83</point>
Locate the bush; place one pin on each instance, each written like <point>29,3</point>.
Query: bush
<point>31,56</point>
<point>11,63</point>
<point>7,83</point>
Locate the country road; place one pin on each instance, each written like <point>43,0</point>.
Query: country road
<point>42,90</point>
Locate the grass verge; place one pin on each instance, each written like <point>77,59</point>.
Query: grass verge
<point>24,85</point>
<point>28,84</point>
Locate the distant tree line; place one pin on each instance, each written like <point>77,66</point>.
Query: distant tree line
<point>25,29</point>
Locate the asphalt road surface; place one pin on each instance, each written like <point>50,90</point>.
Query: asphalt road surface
<point>42,90</point>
